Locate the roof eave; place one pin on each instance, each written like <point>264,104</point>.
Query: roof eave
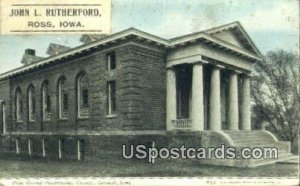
<point>124,34</point>
<point>114,37</point>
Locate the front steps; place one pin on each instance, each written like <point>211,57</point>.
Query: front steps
<point>240,139</point>
<point>293,160</point>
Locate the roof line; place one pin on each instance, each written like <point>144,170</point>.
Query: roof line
<point>83,47</point>
<point>213,39</point>
<point>125,33</point>
<point>249,39</point>
<point>203,31</point>
<point>210,30</point>
<point>233,47</point>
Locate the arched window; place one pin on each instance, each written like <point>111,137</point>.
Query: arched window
<point>18,105</point>
<point>62,99</point>
<point>3,114</point>
<point>31,103</point>
<point>46,101</point>
<point>83,95</point>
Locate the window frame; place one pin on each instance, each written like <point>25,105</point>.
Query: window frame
<point>18,106</point>
<point>109,57</point>
<point>110,100</point>
<point>46,109</point>
<point>61,101</point>
<point>80,115</point>
<point>31,104</point>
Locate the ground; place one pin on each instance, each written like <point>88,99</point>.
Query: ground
<point>14,167</point>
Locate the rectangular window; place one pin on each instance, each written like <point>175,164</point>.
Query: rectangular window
<point>111,94</point>
<point>80,149</point>
<point>111,61</point>
<point>63,145</point>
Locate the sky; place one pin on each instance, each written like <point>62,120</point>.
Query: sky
<point>272,24</point>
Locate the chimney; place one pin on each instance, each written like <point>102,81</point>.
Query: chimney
<point>30,51</point>
<point>88,38</point>
<point>29,57</point>
<point>54,49</point>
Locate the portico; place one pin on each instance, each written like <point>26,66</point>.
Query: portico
<point>208,80</point>
<point>190,106</point>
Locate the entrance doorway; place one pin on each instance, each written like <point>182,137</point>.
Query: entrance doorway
<point>184,86</point>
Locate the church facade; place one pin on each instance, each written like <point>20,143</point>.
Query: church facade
<point>134,87</point>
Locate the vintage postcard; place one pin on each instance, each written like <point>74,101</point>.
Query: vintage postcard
<point>161,92</point>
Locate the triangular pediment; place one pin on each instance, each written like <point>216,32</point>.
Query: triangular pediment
<point>234,34</point>
<point>229,36</point>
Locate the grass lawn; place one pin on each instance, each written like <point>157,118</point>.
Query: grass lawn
<point>14,167</point>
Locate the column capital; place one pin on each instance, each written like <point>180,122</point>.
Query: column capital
<point>218,66</point>
<point>201,62</point>
<point>234,71</point>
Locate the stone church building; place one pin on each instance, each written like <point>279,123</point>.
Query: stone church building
<point>134,87</point>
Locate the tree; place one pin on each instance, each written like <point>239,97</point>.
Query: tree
<point>275,93</point>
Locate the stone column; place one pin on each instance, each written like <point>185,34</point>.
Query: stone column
<point>246,107</point>
<point>171,98</point>
<point>233,111</point>
<point>215,100</point>
<point>197,112</point>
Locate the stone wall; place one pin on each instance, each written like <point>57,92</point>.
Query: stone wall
<point>95,147</point>
<point>140,86</point>
<point>5,97</point>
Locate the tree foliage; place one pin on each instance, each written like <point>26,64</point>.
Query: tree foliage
<point>275,93</point>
